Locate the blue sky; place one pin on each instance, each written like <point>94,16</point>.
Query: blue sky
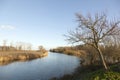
<point>44,22</point>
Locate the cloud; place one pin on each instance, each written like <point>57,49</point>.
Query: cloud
<point>7,27</point>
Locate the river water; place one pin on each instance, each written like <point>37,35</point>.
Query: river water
<point>54,65</point>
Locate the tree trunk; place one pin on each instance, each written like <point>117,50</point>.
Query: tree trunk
<point>102,59</point>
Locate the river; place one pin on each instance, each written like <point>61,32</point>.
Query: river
<point>54,65</point>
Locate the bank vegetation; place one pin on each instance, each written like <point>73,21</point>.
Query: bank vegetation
<point>9,54</point>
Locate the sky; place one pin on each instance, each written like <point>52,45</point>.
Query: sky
<point>44,22</point>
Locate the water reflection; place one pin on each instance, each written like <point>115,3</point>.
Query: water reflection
<point>54,65</point>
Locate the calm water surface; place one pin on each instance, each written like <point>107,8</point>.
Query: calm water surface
<point>54,65</point>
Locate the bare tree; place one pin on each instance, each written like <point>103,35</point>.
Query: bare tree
<point>11,44</point>
<point>29,46</point>
<point>19,46</point>
<point>40,48</point>
<point>4,45</point>
<point>93,31</point>
<point>4,42</point>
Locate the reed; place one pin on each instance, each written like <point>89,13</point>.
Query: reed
<point>9,56</point>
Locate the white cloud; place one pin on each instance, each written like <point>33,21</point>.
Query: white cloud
<point>7,27</point>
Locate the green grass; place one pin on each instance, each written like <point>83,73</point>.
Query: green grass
<point>101,74</point>
<point>110,75</point>
<point>93,72</point>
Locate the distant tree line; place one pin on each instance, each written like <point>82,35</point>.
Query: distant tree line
<point>18,46</point>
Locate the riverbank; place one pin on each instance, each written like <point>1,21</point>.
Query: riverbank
<point>10,56</point>
<point>93,72</point>
<point>90,68</point>
<point>68,51</point>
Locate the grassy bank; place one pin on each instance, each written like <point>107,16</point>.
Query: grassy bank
<point>93,72</point>
<point>89,55</point>
<point>10,56</point>
<point>68,51</point>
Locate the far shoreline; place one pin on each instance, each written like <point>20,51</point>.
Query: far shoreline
<point>7,57</point>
